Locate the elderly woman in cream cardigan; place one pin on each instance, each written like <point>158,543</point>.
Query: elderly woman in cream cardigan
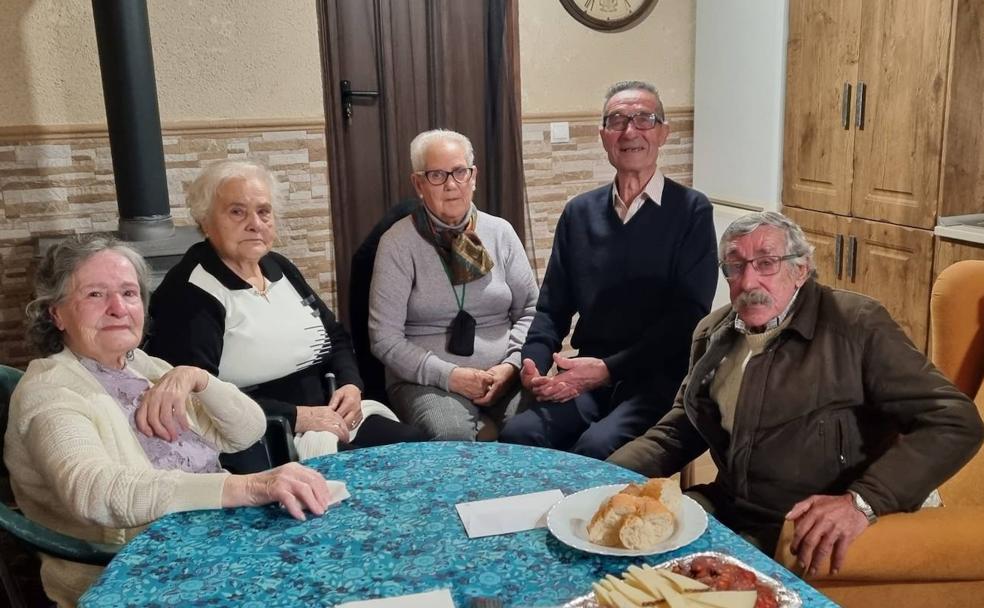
<point>103,439</point>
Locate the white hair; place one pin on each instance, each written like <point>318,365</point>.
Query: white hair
<point>634,85</point>
<point>422,143</point>
<point>201,192</point>
<point>796,243</point>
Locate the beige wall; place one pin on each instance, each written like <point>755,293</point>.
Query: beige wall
<point>566,66</point>
<point>249,59</point>
<point>233,59</point>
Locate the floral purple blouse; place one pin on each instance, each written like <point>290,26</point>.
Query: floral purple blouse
<point>189,453</point>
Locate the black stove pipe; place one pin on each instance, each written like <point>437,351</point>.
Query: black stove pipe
<point>126,61</point>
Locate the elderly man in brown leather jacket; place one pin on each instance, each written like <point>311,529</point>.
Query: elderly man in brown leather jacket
<point>814,405</point>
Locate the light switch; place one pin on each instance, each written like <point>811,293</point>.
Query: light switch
<point>560,132</point>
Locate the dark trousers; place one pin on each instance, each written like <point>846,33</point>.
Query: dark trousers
<point>594,424</point>
<point>377,430</point>
<point>758,529</point>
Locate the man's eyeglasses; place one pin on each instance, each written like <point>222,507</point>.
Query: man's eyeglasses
<point>766,265</point>
<point>437,177</point>
<point>642,121</point>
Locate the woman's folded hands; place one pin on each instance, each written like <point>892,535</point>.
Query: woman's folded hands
<point>503,376</point>
<point>296,487</point>
<point>470,382</point>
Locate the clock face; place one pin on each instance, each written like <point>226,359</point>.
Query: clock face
<point>609,15</point>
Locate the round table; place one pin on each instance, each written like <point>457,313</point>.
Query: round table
<point>399,533</point>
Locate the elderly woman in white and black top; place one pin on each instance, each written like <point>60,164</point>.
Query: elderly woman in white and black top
<point>451,300</point>
<point>244,313</point>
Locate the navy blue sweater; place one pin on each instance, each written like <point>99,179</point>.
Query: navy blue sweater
<point>640,288</point>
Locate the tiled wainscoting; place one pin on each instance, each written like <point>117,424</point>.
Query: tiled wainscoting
<point>60,181</point>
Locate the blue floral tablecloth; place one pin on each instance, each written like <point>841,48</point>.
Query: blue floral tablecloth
<point>399,533</point>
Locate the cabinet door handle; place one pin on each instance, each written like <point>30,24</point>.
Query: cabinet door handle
<point>846,106</point>
<point>859,107</point>
<point>852,255</point>
<point>838,255</point>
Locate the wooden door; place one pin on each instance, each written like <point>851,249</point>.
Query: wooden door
<point>821,70</point>
<point>825,232</point>
<point>418,64</point>
<point>899,140</point>
<point>369,164</point>
<point>894,265</point>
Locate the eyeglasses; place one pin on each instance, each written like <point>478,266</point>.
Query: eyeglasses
<point>766,265</point>
<point>437,177</point>
<point>643,121</point>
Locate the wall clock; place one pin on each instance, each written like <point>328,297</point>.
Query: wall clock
<point>609,15</point>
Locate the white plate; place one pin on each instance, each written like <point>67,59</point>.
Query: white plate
<point>568,521</point>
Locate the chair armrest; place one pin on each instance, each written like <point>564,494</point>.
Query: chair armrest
<point>54,543</point>
<point>933,544</point>
<point>279,440</point>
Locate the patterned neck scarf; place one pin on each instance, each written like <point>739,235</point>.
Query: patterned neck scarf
<point>459,247</point>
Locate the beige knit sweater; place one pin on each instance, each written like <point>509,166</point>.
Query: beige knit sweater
<point>76,466</point>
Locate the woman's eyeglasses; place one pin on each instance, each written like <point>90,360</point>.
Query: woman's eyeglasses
<point>437,177</point>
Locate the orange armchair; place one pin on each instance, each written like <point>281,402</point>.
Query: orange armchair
<point>932,557</point>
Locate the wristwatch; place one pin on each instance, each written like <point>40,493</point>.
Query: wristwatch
<point>862,505</point>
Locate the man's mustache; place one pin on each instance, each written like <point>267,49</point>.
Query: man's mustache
<point>756,297</point>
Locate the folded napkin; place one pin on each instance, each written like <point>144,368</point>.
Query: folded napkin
<point>508,514</point>
<point>439,598</point>
<point>337,491</point>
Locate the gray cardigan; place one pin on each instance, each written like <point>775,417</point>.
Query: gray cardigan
<point>411,304</point>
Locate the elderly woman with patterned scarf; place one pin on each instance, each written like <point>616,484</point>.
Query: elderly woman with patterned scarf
<point>451,301</point>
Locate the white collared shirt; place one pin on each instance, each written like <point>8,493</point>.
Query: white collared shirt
<point>652,192</point>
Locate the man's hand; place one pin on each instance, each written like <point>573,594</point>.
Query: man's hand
<point>583,373</point>
<point>503,376</point>
<point>576,376</point>
<point>824,525</point>
<point>347,401</point>
<point>470,382</point>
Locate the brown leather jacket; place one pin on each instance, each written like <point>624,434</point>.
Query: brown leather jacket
<point>839,400</point>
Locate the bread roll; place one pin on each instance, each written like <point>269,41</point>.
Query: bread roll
<point>639,517</point>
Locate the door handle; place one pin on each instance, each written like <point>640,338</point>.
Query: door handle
<point>852,256</point>
<point>348,94</point>
<point>859,108</point>
<point>838,255</point>
<point>846,106</point>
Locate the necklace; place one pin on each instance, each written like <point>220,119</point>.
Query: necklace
<point>263,289</point>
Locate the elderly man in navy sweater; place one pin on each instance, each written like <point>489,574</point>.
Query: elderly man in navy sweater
<point>636,260</point>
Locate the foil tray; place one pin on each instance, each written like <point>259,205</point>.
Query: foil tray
<point>785,596</point>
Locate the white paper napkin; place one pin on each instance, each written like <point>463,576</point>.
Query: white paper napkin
<point>337,492</point>
<point>508,514</point>
<point>439,598</point>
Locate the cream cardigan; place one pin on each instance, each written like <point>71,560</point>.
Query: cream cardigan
<point>77,467</point>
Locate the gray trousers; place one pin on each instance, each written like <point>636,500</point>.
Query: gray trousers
<point>447,416</point>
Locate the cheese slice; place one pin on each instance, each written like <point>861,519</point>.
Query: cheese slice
<point>674,599</point>
<point>601,594</point>
<point>725,599</point>
<point>681,582</point>
<point>646,578</point>
<point>636,595</point>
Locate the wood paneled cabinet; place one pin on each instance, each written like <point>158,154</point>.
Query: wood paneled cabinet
<point>866,85</point>
<point>893,264</point>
